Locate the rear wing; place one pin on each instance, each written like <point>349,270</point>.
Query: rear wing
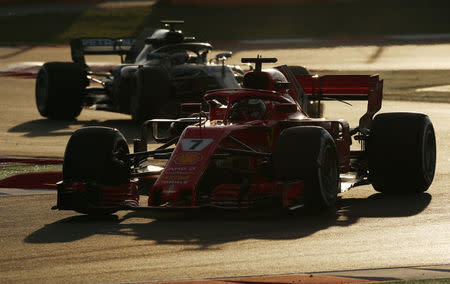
<point>345,87</point>
<point>99,46</point>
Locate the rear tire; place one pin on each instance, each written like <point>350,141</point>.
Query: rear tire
<point>59,88</point>
<point>151,94</point>
<point>308,153</point>
<point>402,153</point>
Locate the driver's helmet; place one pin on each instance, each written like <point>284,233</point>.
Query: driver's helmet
<point>247,109</point>
<point>179,57</point>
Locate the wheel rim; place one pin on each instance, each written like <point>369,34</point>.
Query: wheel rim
<point>328,174</point>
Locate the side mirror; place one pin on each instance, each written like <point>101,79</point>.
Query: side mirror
<point>191,107</point>
<point>159,132</point>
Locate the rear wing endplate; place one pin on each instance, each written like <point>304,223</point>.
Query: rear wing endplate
<point>99,46</point>
<point>345,87</point>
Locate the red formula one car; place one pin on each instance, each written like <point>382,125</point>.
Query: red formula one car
<point>256,148</point>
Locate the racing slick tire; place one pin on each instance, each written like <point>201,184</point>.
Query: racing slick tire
<point>308,153</point>
<point>98,155</point>
<point>151,93</point>
<point>59,88</point>
<point>401,153</point>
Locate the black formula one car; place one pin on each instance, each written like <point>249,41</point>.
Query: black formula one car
<point>155,76</point>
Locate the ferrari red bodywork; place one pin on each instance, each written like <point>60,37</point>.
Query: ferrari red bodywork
<point>228,163</point>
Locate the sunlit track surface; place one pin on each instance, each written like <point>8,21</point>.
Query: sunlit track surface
<point>389,57</point>
<point>21,192</point>
<point>371,57</point>
<point>366,231</point>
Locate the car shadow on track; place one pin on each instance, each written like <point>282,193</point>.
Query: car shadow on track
<point>45,127</point>
<point>203,230</point>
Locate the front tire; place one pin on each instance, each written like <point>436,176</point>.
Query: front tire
<point>59,88</point>
<point>402,153</point>
<point>96,156</point>
<point>308,153</point>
